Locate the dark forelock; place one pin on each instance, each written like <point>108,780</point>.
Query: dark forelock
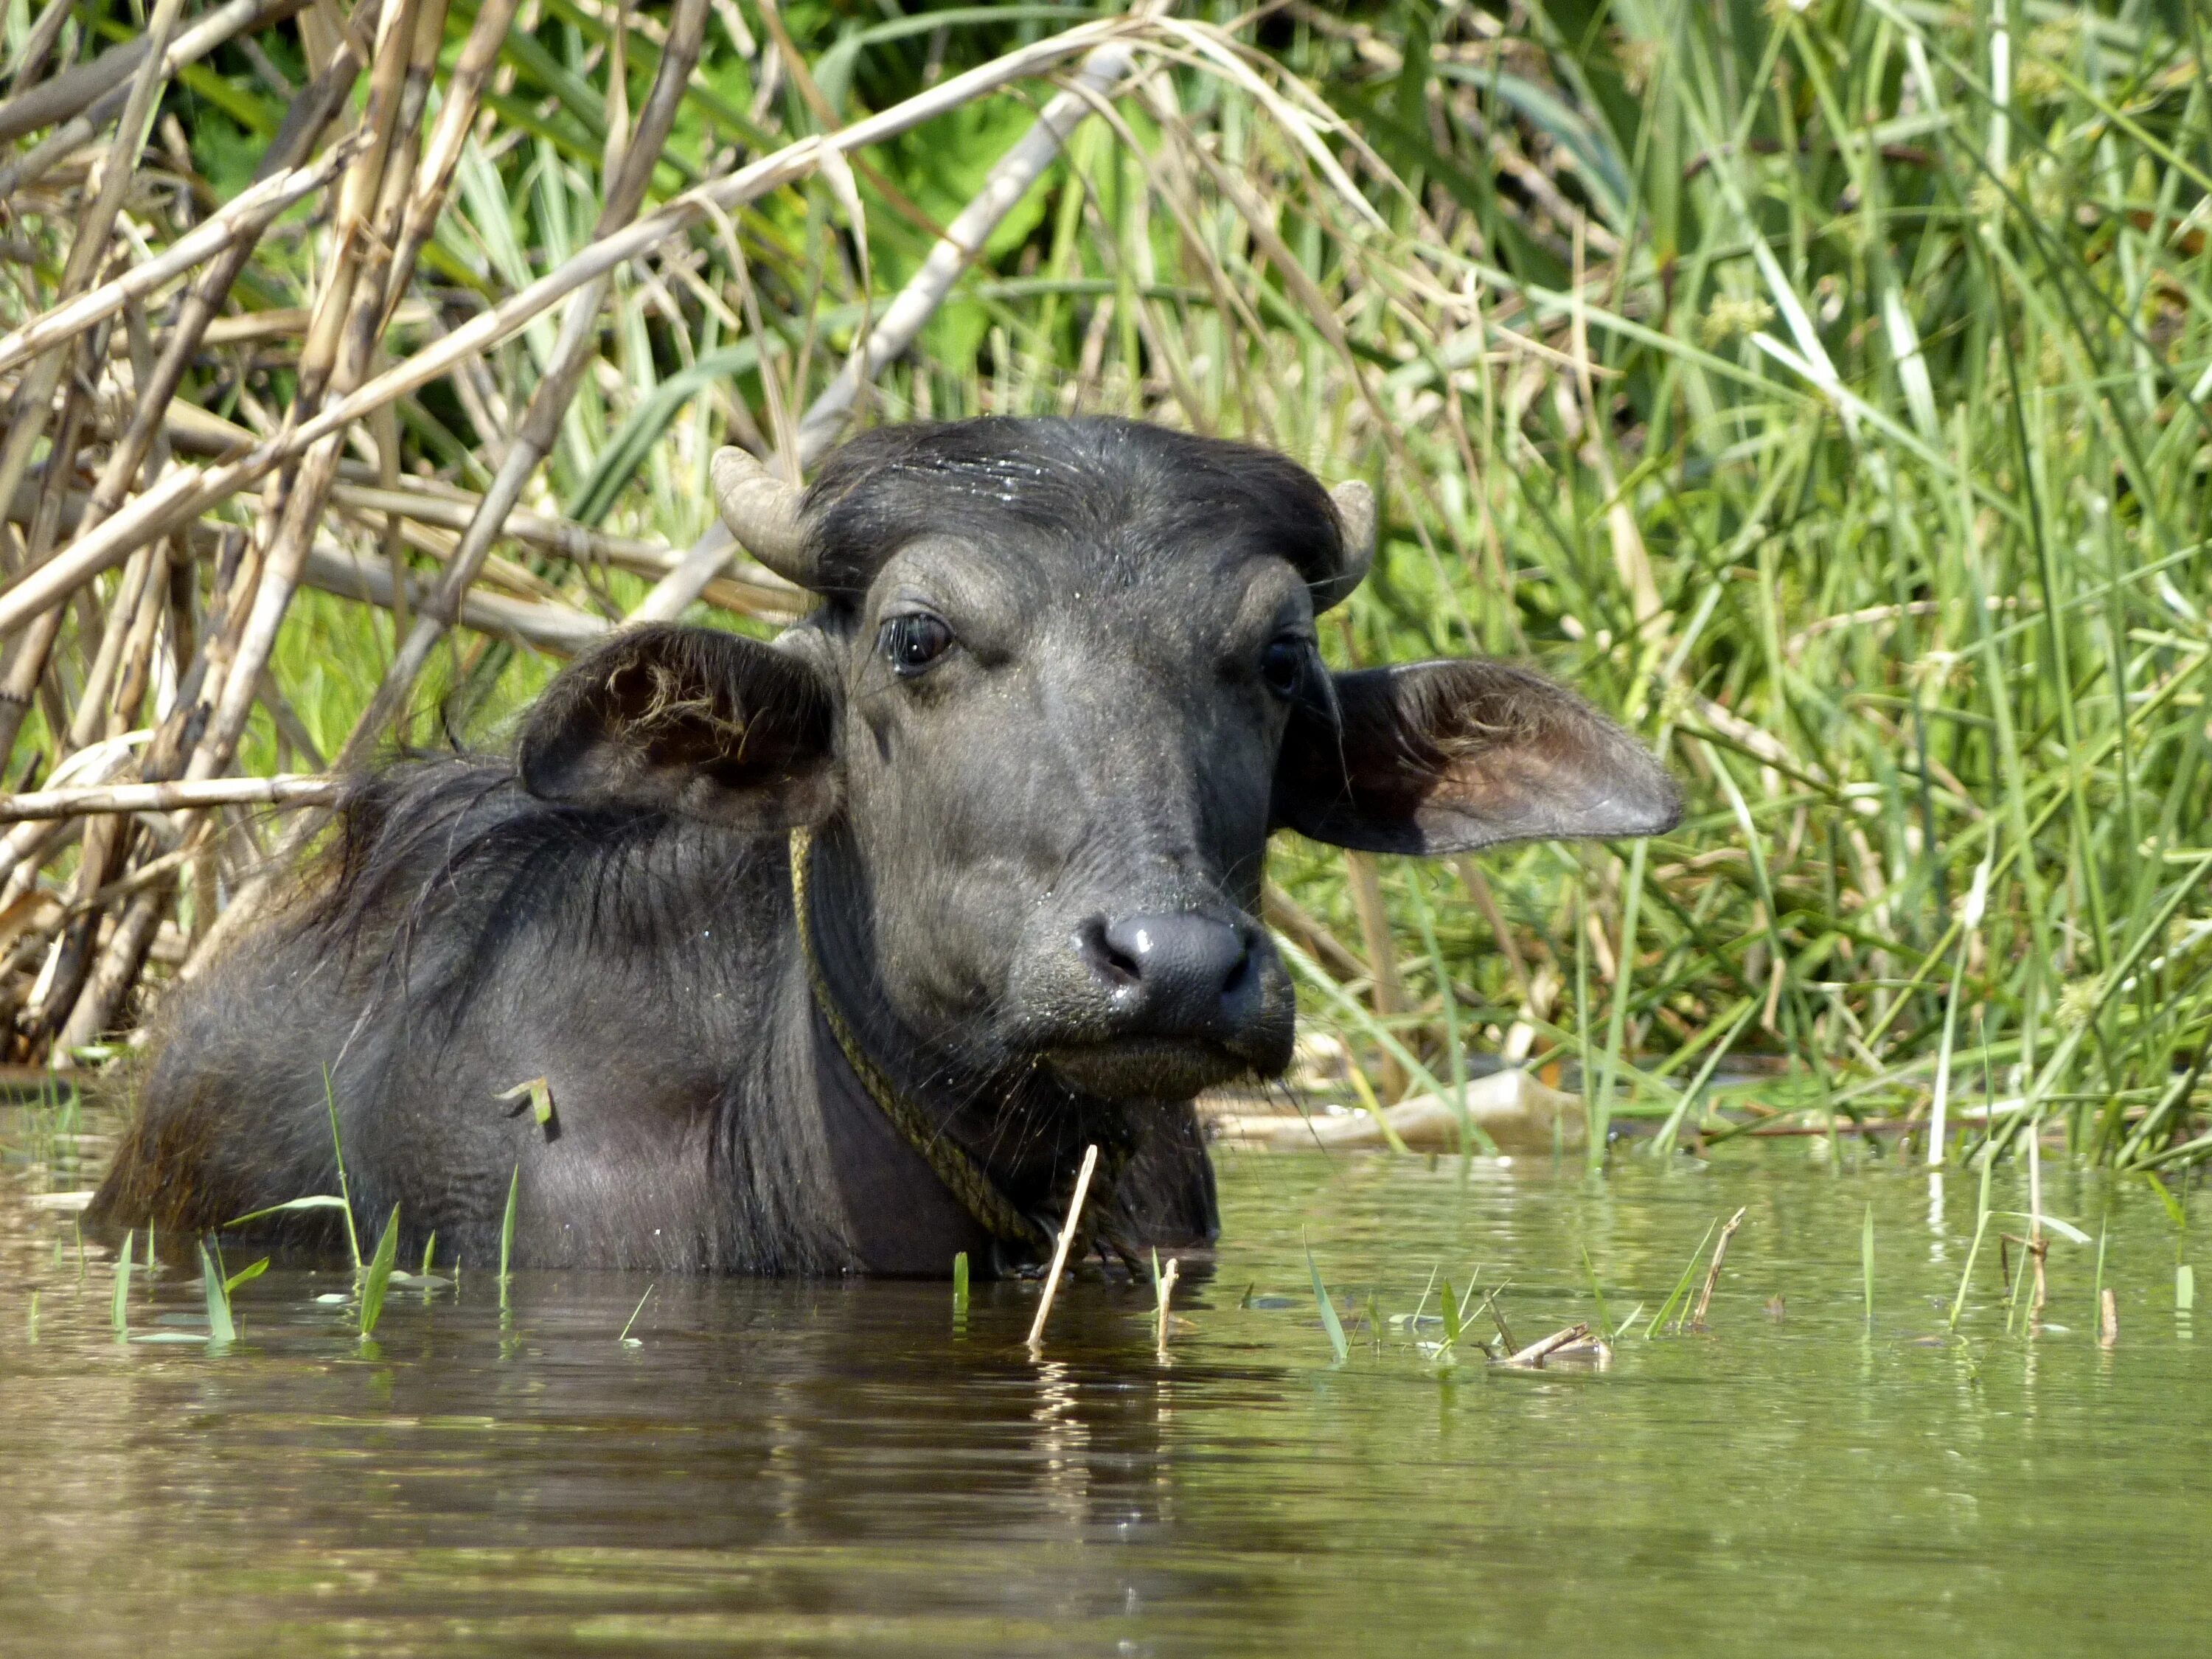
<point>1093,475</point>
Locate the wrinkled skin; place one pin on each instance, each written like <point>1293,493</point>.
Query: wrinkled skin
<point>1068,769</point>
<point>1062,687</point>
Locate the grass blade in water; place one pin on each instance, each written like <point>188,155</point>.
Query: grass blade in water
<point>315,1201</point>
<point>119,1311</point>
<point>1866,1261</point>
<point>1597,1292</point>
<point>626,1339</point>
<point>1681,1291</point>
<point>1329,1322</point>
<point>507,1234</point>
<point>345,1191</point>
<point>960,1284</point>
<point>221,1328</point>
<point>378,1277</point>
<point>246,1275</point>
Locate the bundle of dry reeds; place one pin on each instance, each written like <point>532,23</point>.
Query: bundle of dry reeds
<point>155,546</point>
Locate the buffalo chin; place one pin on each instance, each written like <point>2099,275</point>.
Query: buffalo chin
<point>1146,1068</point>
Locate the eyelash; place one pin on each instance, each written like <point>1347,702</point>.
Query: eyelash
<point>1286,665</point>
<point>913,643</point>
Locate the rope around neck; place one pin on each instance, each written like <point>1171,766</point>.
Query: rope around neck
<point>977,1193</point>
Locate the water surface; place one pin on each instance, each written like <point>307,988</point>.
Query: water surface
<point>841,1467</point>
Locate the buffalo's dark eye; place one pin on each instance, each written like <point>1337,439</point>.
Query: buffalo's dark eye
<point>1283,664</point>
<point>911,643</point>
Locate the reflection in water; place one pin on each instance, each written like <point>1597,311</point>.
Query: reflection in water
<point>834,1466</point>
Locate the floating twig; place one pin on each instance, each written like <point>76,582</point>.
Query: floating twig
<point>1533,1356</point>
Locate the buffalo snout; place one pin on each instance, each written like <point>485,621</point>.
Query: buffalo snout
<point>1175,975</point>
<point>1158,1002</point>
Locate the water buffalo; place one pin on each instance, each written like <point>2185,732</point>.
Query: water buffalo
<point>837,953</point>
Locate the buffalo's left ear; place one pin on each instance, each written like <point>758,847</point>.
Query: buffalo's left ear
<point>668,719</point>
<point>1448,756</point>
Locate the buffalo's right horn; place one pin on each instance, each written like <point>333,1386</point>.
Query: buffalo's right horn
<point>1355,516</point>
<point>762,513</point>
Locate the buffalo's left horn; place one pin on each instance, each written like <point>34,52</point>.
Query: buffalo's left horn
<point>762,513</point>
<point>1355,518</point>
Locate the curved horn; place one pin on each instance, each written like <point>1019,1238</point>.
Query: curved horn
<point>762,513</point>
<point>1355,517</point>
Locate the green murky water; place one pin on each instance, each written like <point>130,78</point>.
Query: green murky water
<point>837,1469</point>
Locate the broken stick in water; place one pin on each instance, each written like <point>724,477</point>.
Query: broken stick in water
<point>2108,1319</point>
<point>1535,1353</point>
<point>1060,1249</point>
<point>1167,1290</point>
<point>1713,1273</point>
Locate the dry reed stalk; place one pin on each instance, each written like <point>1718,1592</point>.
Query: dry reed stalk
<point>1535,1353</point>
<point>23,73</point>
<point>303,124</point>
<point>348,309</point>
<point>108,842</point>
<point>1167,1292</point>
<point>757,592</point>
<point>185,493</point>
<point>1713,1272</point>
<point>244,216</point>
<point>1009,180</point>
<point>122,798</point>
<point>553,627</point>
<point>1364,884</point>
<point>456,115</point>
<point>1060,1246</point>
<point>1286,916</point>
<point>27,420</point>
<point>96,989</point>
<point>1478,889</point>
<point>574,349</point>
<point>903,321</point>
<point>100,96</point>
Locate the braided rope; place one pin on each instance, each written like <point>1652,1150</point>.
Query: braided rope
<point>978,1193</point>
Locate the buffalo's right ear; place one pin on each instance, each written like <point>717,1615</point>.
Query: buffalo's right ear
<point>1448,756</point>
<point>706,725</point>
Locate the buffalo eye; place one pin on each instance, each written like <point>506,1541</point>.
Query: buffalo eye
<point>1283,664</point>
<point>911,643</point>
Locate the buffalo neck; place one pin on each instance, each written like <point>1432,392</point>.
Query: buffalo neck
<point>1024,1129</point>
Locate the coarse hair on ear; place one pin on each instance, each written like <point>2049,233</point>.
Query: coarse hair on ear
<point>704,724</point>
<point>1450,756</point>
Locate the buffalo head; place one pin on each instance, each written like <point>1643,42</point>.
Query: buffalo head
<point>1062,685</point>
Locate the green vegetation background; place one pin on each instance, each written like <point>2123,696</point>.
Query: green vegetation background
<point>1824,388</point>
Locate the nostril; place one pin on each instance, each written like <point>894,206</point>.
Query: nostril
<point>1239,974</point>
<point>1115,966</point>
<point>1177,973</point>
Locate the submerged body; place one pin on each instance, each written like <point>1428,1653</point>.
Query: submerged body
<point>468,938</point>
<point>1062,687</point>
